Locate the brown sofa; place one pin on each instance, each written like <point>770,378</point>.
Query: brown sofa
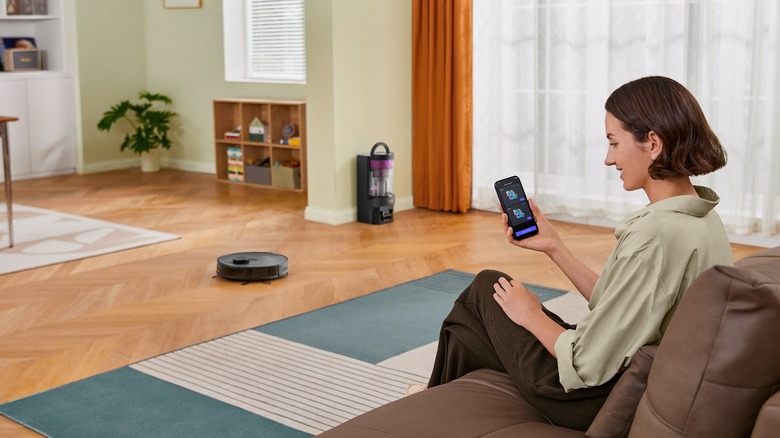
<point>715,374</point>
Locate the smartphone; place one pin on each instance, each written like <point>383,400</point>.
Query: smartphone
<point>515,205</point>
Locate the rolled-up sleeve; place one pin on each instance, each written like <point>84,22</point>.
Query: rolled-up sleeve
<point>627,316</point>
<point>564,350</point>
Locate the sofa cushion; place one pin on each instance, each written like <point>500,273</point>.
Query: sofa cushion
<point>475,405</point>
<point>615,417</point>
<point>718,361</point>
<point>534,430</point>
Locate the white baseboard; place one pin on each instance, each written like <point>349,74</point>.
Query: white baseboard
<point>105,166</point>
<point>330,217</point>
<point>347,215</point>
<point>34,175</point>
<point>189,166</point>
<point>128,163</point>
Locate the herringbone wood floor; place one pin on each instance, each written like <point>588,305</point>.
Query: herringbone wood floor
<point>64,323</point>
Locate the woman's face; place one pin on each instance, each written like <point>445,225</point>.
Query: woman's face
<point>630,158</point>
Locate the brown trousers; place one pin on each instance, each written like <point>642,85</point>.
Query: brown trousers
<point>478,334</point>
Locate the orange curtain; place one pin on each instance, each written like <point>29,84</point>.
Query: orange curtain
<point>441,104</point>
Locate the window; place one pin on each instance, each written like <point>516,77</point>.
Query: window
<point>543,70</point>
<point>269,45</point>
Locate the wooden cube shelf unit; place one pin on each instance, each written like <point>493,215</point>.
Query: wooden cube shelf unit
<point>269,161</point>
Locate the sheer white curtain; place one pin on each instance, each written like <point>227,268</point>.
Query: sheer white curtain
<point>543,69</point>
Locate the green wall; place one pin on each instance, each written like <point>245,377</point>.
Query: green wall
<point>358,90</point>
<point>111,67</point>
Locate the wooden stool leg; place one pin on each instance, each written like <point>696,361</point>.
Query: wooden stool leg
<point>7,177</point>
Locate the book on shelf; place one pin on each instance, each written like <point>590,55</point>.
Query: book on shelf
<point>234,134</point>
<point>39,7</point>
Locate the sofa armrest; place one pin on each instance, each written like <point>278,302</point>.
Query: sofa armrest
<point>768,421</point>
<point>615,417</point>
<point>718,362</point>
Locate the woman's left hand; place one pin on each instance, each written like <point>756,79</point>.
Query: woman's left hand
<point>519,303</point>
<point>546,241</point>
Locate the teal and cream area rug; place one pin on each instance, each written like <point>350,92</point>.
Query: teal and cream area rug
<point>292,378</point>
<point>45,237</point>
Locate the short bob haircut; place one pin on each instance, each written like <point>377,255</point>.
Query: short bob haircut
<point>668,109</point>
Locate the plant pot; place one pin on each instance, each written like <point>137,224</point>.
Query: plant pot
<point>150,161</point>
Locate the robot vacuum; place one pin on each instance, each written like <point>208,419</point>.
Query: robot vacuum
<point>252,266</point>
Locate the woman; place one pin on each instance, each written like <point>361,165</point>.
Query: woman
<point>658,138</point>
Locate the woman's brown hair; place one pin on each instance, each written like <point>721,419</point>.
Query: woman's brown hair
<point>667,108</point>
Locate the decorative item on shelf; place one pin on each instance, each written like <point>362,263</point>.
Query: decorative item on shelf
<point>26,42</point>
<point>256,130</point>
<point>288,131</point>
<point>235,167</point>
<point>149,124</point>
<point>13,7</point>
<point>234,134</point>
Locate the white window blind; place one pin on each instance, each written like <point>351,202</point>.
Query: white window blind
<point>275,40</point>
<point>264,41</point>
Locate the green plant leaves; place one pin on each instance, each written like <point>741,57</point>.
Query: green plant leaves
<point>149,127</point>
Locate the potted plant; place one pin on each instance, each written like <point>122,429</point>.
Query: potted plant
<point>149,125</point>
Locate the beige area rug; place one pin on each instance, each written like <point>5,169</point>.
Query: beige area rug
<point>46,237</point>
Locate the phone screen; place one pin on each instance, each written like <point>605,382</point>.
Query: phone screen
<point>515,205</point>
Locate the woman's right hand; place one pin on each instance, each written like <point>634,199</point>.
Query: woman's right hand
<point>546,241</point>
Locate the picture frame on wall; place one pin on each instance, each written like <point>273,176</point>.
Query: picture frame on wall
<point>182,4</point>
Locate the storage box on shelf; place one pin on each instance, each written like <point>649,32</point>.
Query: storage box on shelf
<point>258,174</point>
<point>21,59</point>
<point>286,177</point>
<point>261,142</point>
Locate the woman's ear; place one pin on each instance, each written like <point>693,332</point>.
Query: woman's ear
<point>656,145</point>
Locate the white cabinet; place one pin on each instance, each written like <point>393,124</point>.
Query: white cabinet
<point>52,121</point>
<point>13,102</point>
<point>50,108</point>
<point>43,140</point>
